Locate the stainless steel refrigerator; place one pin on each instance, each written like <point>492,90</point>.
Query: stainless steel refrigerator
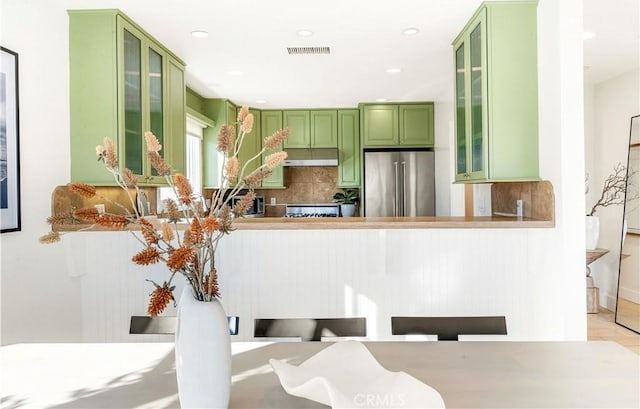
<point>399,183</point>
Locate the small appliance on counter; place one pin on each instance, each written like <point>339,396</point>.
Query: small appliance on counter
<point>255,210</point>
<point>312,210</point>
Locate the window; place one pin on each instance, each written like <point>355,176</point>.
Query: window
<point>194,154</point>
<point>194,162</point>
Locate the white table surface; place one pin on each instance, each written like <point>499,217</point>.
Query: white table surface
<point>595,374</point>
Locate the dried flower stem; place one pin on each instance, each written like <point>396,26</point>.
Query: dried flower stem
<point>192,253</point>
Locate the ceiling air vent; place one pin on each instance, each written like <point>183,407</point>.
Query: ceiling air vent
<point>308,50</point>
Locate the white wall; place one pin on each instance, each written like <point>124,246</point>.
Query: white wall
<point>561,151</point>
<point>443,121</point>
<point>613,104</point>
<point>41,301</point>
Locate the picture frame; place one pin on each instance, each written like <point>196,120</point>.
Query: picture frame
<point>632,207</point>
<point>632,194</point>
<point>9,143</point>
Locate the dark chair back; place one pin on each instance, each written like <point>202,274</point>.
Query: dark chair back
<point>310,329</point>
<point>142,324</point>
<point>448,328</point>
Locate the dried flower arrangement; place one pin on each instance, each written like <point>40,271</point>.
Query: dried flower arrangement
<point>193,254</point>
<point>614,188</point>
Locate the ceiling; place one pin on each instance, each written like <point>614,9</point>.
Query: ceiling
<point>365,38</point>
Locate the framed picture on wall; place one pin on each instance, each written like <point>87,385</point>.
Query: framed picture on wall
<point>9,142</point>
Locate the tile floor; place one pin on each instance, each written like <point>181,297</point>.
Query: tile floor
<point>601,327</point>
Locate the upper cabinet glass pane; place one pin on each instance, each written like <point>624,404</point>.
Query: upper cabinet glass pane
<point>156,113</point>
<point>475,48</point>
<point>132,102</point>
<point>461,132</point>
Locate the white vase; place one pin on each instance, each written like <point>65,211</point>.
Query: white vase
<point>347,210</point>
<point>203,353</point>
<point>592,232</point>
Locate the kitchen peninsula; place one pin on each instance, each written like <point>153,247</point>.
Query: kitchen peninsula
<point>343,267</point>
<point>538,199</point>
<point>486,222</point>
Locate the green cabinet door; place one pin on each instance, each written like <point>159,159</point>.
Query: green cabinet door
<point>324,129</point>
<point>416,125</point>
<point>380,124</point>
<point>271,122</point>
<point>398,125</point>
<point>223,112</point>
<point>176,117</point>
<point>231,116</point>
<point>298,123</point>
<point>495,58</point>
<point>249,155</point>
<point>122,84</point>
<point>348,148</point>
<point>131,109</point>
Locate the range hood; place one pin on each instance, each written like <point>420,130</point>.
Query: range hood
<point>311,157</point>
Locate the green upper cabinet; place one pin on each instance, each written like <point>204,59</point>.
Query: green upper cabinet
<point>299,131</point>
<point>496,91</point>
<point>380,123</point>
<point>122,84</point>
<point>324,129</point>
<point>176,117</point>
<point>311,129</point>
<point>223,112</point>
<point>271,122</point>
<point>416,125</point>
<point>395,125</point>
<point>348,148</point>
<point>249,154</point>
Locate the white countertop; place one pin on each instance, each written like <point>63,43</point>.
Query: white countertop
<point>467,374</point>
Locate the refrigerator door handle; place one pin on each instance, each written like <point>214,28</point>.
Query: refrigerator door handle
<point>395,179</point>
<point>404,190</point>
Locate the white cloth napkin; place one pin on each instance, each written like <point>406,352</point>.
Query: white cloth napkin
<point>346,375</point>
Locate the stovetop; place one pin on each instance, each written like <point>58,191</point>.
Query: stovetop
<point>310,215</point>
<point>312,210</point>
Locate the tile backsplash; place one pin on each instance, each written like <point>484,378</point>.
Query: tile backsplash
<point>63,201</point>
<point>312,184</point>
<point>304,184</point>
<point>537,197</point>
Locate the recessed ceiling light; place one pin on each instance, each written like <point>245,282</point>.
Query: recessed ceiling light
<point>234,73</point>
<point>305,33</point>
<point>393,70</point>
<point>588,35</point>
<point>410,31</point>
<point>381,100</point>
<point>261,101</point>
<point>200,34</point>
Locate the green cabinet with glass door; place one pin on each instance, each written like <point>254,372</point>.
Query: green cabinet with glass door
<point>122,84</point>
<point>398,125</point>
<point>348,147</point>
<point>496,94</point>
<point>271,122</point>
